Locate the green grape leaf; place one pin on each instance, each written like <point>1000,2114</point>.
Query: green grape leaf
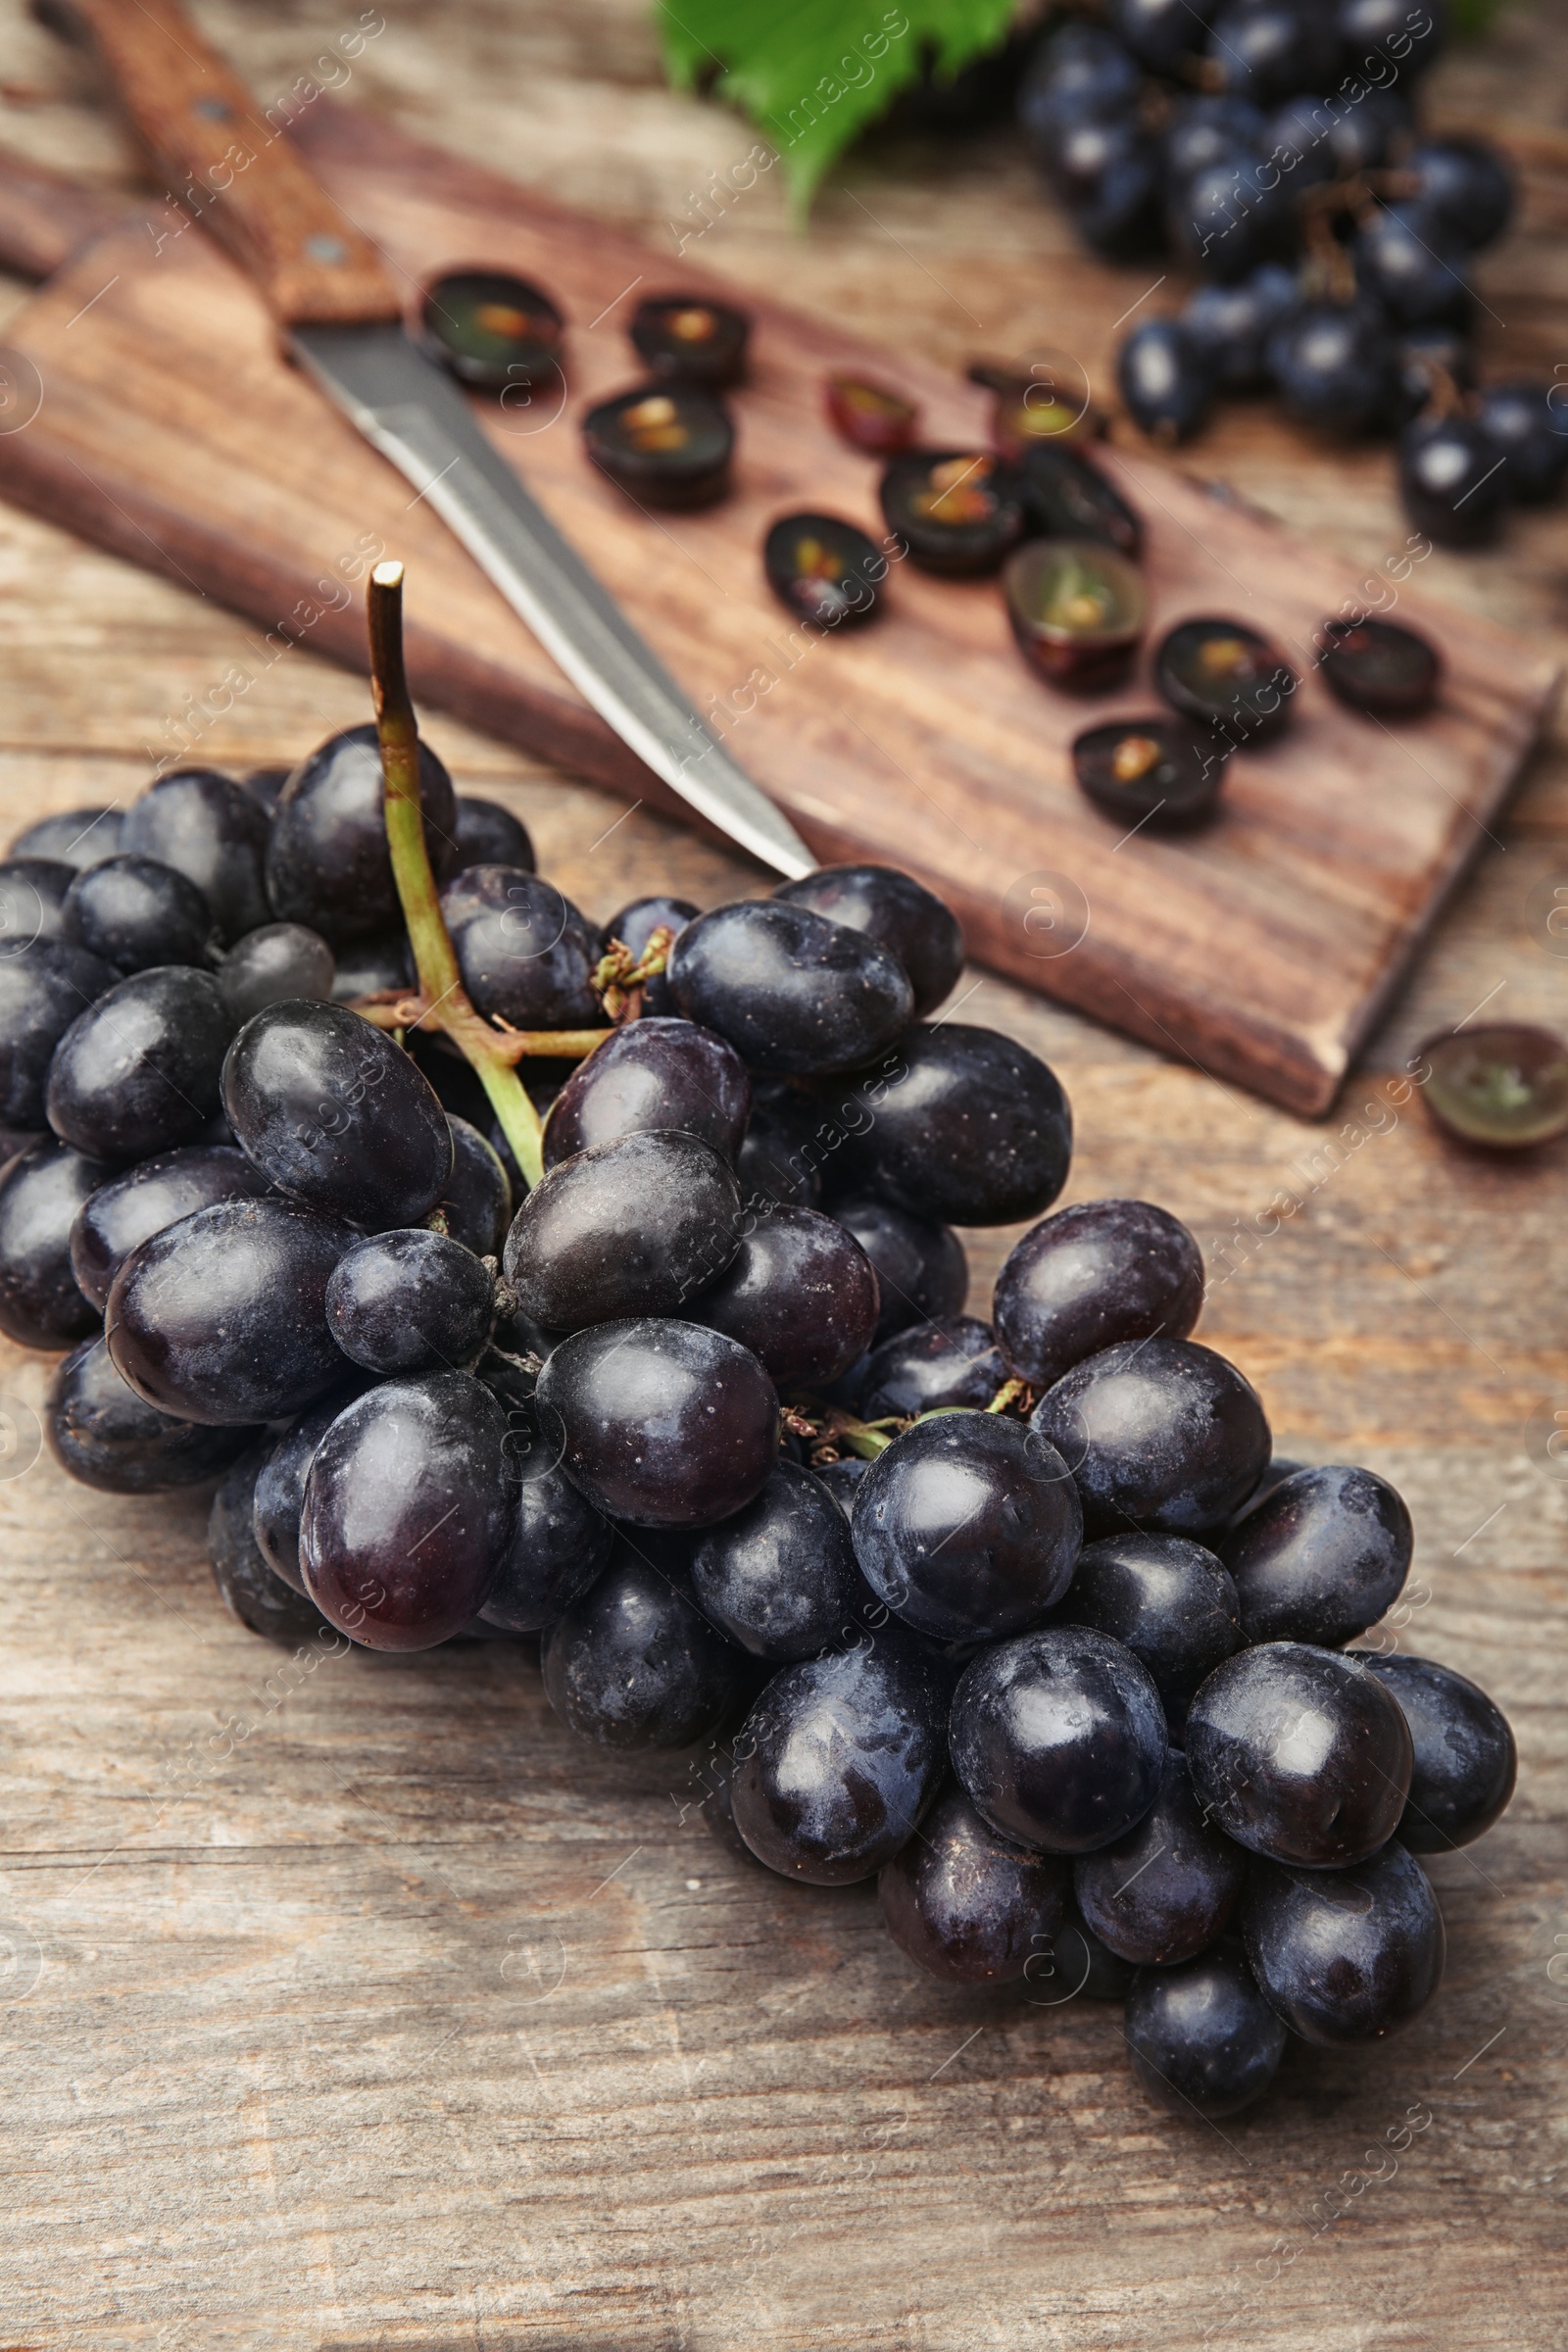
<point>812,74</point>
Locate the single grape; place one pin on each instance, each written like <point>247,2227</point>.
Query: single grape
<point>1205,2042</point>
<point>634,926</point>
<point>960,1125</point>
<point>1165,377</point>
<point>139,1071</point>
<point>1058,1737</point>
<point>280,1492</point>
<point>486,834</point>
<point>1299,1755</point>
<point>77,837</point>
<point>102,1433</point>
<point>333,1112</point>
<point>1160,1434</point>
<point>1163,35</point>
<point>1231,217</point>
<point>1081,70</point>
<point>32,898</point>
<point>1229,326</point>
<point>688,339</point>
<point>932,1364</point>
<point>1295,137</point>
<point>901,914</point>
<point>635,1227</point>
<point>525,952</point>
<point>657,1073</point>
<point>41,1192</point>
<point>1092,1275</point>
<point>1453,483</point>
<point>921,1272</point>
<point>1166,1600</point>
<point>1526,420</point>
<point>1334,365</point>
<point>839,1759</point>
<point>800,1292</point>
<point>476,1202</point>
<point>1344,1955</point>
<point>633,1664</point>
<point>663,1423</point>
<point>409,1301</point>
<point>211,830</point>
<point>969,1527</point>
<point>966,1905</point>
<point>1321,1559</point>
<point>223,1318</point>
<point>1403,261</point>
<point>1107,171</point>
<point>43,989</point>
<point>366,966</point>
<point>777,1158</point>
<point>327,863</point>
<point>407,1513</point>
<point>1164,1891</point>
<point>558,1542</point>
<point>136,913</point>
<point>130,1207</point>
<point>1365,26</point>
<point>1074,1961</point>
<point>1267,50</point>
<point>780,1576</point>
<point>261,1600</point>
<point>1464,188</point>
<point>1208,129</point>
<point>275,965</point>
<point>790,990</point>
<point>1465,1762</point>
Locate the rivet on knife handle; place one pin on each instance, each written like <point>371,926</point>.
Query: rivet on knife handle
<point>224,163</point>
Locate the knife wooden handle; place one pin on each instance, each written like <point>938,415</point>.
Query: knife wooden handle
<point>44,218</point>
<point>227,164</point>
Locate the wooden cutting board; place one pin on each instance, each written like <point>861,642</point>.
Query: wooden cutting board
<point>171,430</point>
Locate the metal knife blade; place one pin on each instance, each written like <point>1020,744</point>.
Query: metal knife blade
<point>409,411</point>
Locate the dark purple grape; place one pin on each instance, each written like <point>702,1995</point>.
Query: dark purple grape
<point>117,1217</point>
<point>1403,261</point>
<point>327,863</point>
<point>366,966</point>
<point>801,1293</point>
<point>1465,1760</point>
<point>839,1758</point>
<point>32,898</point>
<point>969,1527</point>
<point>1212,128</point>
<point>280,1494</point>
<point>633,1664</point>
<point>1465,188</point>
<point>664,445</point>
<point>1296,140</point>
<point>1229,326</point>
<point>1058,1738</point>
<point>1299,1755</point>
<point>41,1192</point>
<point>1322,1558</point>
<point>333,1112</point>
<point>407,1512</point>
<point>210,829</point>
<point>966,1905</point>
<point>842,1478</point>
<point>1367,136</point>
<point>932,1364</point>
<point>1366,26</point>
<point>1160,1434</point>
<point>409,1301</point>
<point>691,339</point>
<point>1378,667</point>
<point>780,1576</point>
<point>921,1272</point>
<point>790,990</point>
<point>1092,1275</point>
<point>635,1227</point>
<point>1166,1600</point>
<point>250,1590</point>
<point>1164,1891</point>
<point>1267,50</point>
<point>525,952</point>
<point>1334,365</point>
<point>1081,70</point>
<point>1453,481</point>
<point>43,989</point>
<point>77,837</point>
<point>662,1423</point>
<point>275,965</point>
<point>962,1126</point>
<point>1344,1955</point>
<point>1230,218</point>
<point>1107,173</point>
<point>653,1075</point>
<point>136,913</point>
<point>1161,35</point>
<point>823,570</point>
<point>223,1318</point>
<point>139,1071</point>
<point>486,834</point>
<point>1205,2042</point>
<point>1528,423</point>
<point>476,1202</point>
<point>1074,1961</point>
<point>777,1160</point>
<point>558,1542</point>
<point>1166,381</point>
<point>897,911</point>
<point>102,1433</point>
<point>634,926</point>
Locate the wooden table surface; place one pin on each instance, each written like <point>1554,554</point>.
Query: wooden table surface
<point>346,2000</point>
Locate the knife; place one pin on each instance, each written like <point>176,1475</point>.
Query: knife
<point>341,318</point>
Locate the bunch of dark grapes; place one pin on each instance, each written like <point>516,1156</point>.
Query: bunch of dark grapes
<point>1021,1617</point>
<point>1273,147</point>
